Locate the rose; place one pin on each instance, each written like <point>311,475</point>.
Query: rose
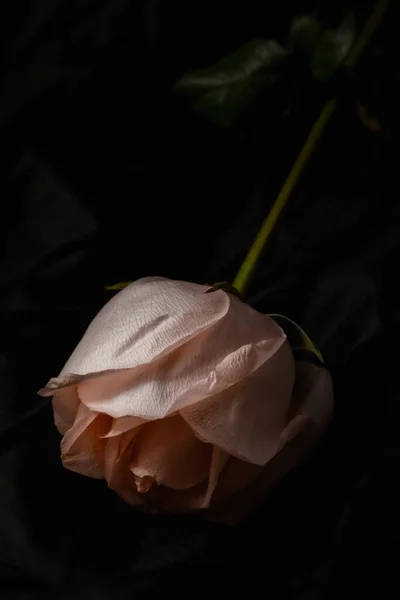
<point>181,398</point>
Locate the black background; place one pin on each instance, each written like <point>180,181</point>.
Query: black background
<point>106,176</point>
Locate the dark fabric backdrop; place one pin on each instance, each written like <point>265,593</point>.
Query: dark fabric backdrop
<point>106,176</point>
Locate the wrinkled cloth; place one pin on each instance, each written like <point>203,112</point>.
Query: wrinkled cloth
<point>105,179</point>
<point>172,387</point>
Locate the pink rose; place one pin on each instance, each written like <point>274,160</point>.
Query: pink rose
<point>182,399</point>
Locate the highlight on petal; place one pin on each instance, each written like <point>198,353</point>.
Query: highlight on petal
<point>145,320</point>
<point>217,358</point>
<point>123,425</point>
<point>218,461</point>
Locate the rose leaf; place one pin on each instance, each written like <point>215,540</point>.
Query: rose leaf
<point>332,48</point>
<point>224,89</point>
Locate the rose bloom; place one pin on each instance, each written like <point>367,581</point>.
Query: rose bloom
<point>185,400</point>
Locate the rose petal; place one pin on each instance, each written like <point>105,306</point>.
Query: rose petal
<point>218,461</point>
<point>161,499</point>
<point>65,405</point>
<point>171,388</point>
<point>242,485</point>
<point>122,425</point>
<point>145,320</point>
<point>169,453</point>
<point>111,460</point>
<point>186,376</point>
<point>117,471</point>
<point>167,500</point>
<point>246,419</point>
<point>217,355</point>
<point>314,391</point>
<point>82,449</point>
<point>118,455</point>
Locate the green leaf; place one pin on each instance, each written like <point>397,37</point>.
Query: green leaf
<point>224,89</point>
<point>304,33</point>
<point>332,48</point>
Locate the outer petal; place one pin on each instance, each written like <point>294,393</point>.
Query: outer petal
<point>314,385</point>
<point>246,419</point>
<point>65,406</point>
<point>168,453</point>
<point>203,348</point>
<point>312,401</point>
<point>241,485</point>
<point>144,321</point>
<point>82,449</point>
